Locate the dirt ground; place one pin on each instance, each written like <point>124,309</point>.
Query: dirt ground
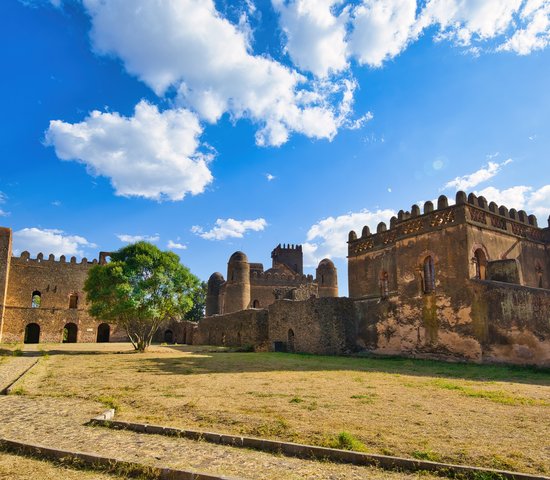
<point>492,416</point>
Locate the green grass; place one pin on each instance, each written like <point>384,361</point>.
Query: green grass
<point>346,441</point>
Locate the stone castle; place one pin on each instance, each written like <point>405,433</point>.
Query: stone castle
<point>469,281</point>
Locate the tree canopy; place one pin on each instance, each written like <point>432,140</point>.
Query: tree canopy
<point>140,288</point>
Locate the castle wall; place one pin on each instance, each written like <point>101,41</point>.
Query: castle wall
<point>5,262</point>
<point>56,281</point>
<point>263,294</point>
<point>237,329</point>
<point>319,325</point>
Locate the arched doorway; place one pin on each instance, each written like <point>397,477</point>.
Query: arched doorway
<point>32,333</point>
<point>256,304</point>
<point>168,336</point>
<point>291,341</point>
<point>481,264</point>
<point>103,333</point>
<point>70,332</point>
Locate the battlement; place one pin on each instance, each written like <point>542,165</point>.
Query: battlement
<point>268,278</point>
<point>25,259</point>
<point>289,255</point>
<point>467,209</point>
<point>286,247</point>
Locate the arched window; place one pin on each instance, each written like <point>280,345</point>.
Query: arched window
<point>538,270</point>
<point>480,260</point>
<point>36,299</point>
<point>256,304</point>
<point>291,341</point>
<point>383,283</point>
<point>70,332</point>
<point>73,300</point>
<point>429,275</point>
<point>32,333</point>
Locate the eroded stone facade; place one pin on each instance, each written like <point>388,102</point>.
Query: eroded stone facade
<point>469,281</point>
<point>42,299</point>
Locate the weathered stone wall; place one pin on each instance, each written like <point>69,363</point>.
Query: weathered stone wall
<point>176,332</point>
<point>237,329</point>
<point>263,294</point>
<point>317,325</point>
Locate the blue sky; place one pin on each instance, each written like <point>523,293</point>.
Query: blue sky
<point>210,127</point>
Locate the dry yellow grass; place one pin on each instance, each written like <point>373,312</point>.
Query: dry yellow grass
<point>491,416</point>
<point>15,467</point>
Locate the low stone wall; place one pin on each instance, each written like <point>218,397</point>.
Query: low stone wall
<point>316,325</point>
<point>237,329</point>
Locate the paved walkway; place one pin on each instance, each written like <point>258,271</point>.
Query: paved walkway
<point>59,422</point>
<point>12,367</point>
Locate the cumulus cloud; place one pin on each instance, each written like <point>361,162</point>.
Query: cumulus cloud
<point>328,237</point>
<point>151,154</point>
<point>175,245</point>
<point>123,237</point>
<point>230,228</point>
<point>189,46</point>
<point>270,177</point>
<point>473,179</point>
<point>521,197</point>
<point>47,241</point>
<point>315,37</point>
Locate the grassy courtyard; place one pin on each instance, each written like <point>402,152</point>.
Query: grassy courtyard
<point>493,416</point>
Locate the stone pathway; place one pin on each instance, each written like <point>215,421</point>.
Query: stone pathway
<point>12,367</point>
<point>59,422</point>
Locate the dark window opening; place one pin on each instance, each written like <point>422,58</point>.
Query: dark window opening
<point>291,341</point>
<point>256,304</point>
<point>70,332</point>
<point>480,260</point>
<point>73,300</point>
<point>429,275</point>
<point>36,299</point>
<point>32,333</point>
<point>103,333</point>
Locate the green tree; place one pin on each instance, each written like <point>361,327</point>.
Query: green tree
<point>199,303</point>
<point>140,288</point>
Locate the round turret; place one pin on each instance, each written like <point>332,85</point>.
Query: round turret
<point>237,288</point>
<point>327,279</point>
<point>213,294</point>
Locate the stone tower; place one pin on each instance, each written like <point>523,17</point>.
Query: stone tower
<point>289,255</point>
<point>327,278</point>
<point>5,260</point>
<point>213,294</point>
<point>237,286</point>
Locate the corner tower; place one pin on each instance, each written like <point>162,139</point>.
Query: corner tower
<point>327,278</point>
<point>5,260</point>
<point>213,294</point>
<point>237,286</point>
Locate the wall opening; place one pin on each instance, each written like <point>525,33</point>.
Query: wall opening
<point>103,333</point>
<point>538,270</point>
<point>32,333</point>
<point>73,300</point>
<point>480,260</point>
<point>36,299</point>
<point>428,284</point>
<point>291,341</point>
<point>70,332</point>
<point>384,284</point>
<point>168,336</point>
<point>256,304</point>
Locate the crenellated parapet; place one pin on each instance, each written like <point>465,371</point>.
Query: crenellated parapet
<point>466,209</point>
<point>25,259</point>
<point>271,279</point>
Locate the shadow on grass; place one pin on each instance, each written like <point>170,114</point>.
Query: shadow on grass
<point>208,361</point>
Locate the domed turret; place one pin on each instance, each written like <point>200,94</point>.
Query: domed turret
<point>327,278</point>
<point>213,294</point>
<point>237,288</point>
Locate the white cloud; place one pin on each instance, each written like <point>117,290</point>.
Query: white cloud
<point>176,246</point>
<point>187,45</point>
<point>230,228</point>
<point>315,37</point>
<point>270,177</point>
<point>56,203</point>
<point>3,213</point>
<point>152,154</point>
<point>382,29</point>
<point>47,241</point>
<point>521,197</point>
<point>123,237</point>
<point>473,179</point>
<point>328,237</point>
